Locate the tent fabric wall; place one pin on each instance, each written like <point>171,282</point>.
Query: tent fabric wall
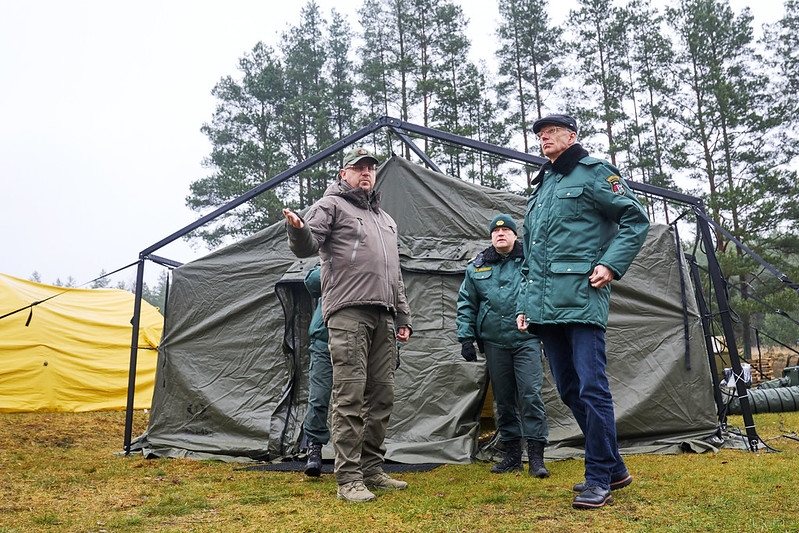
<point>232,375</point>
<point>74,354</point>
<point>223,384</point>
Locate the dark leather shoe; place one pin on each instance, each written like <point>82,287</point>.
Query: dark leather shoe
<point>592,497</point>
<point>616,482</point>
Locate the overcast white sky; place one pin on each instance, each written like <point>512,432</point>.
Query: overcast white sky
<point>101,105</point>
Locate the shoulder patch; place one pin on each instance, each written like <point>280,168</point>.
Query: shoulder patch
<point>482,269</point>
<point>616,185</point>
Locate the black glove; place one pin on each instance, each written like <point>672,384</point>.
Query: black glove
<point>467,351</point>
<point>481,346</point>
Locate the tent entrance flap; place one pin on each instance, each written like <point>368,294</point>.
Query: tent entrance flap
<point>298,307</point>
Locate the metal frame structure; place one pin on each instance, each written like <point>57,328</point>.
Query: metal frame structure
<point>402,130</point>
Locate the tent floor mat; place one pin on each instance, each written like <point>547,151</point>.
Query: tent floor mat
<point>327,467</point>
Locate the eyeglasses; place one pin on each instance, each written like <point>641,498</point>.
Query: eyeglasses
<point>361,167</point>
<point>552,130</point>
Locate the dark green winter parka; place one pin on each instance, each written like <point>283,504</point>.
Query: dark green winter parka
<point>487,298</point>
<point>580,214</point>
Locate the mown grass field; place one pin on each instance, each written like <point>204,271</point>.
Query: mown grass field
<point>61,472</point>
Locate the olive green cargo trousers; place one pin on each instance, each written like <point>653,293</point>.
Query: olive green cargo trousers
<point>363,349</point>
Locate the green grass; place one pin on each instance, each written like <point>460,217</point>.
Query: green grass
<point>61,472</point>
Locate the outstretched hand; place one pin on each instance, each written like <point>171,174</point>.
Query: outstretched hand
<point>292,218</point>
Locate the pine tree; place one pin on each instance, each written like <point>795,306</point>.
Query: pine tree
<point>102,280</point>
<point>728,134</point>
<point>485,121</point>
<point>652,147</point>
<point>373,69</point>
<point>399,59</point>
<point>305,122</point>
<point>782,41</point>
<point>600,43</point>
<point>455,84</point>
<point>529,66</point>
<point>344,116</point>
<point>247,150</point>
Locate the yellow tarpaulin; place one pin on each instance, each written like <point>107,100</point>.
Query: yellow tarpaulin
<point>69,349</point>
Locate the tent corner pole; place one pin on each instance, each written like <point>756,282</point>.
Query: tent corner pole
<point>134,352</point>
<point>725,314</point>
<point>708,331</point>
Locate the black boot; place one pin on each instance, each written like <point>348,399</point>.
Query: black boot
<point>313,467</point>
<point>535,453</point>
<point>512,460</point>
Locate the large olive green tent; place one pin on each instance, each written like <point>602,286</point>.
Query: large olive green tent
<point>231,382</point>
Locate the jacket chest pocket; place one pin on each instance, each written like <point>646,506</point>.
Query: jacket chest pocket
<point>380,225</point>
<point>569,201</point>
<point>482,273</point>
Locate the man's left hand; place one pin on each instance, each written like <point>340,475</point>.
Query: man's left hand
<point>403,333</point>
<point>600,277</point>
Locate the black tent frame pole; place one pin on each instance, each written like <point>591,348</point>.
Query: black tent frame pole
<point>462,141</point>
<point>704,311</point>
<point>134,353</point>
<point>416,150</point>
<point>779,275</point>
<point>393,123</point>
<point>252,193</point>
<point>725,314</point>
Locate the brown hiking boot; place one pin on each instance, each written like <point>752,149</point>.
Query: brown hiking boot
<point>354,491</point>
<point>382,481</point>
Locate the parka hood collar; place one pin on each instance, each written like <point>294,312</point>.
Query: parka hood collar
<point>564,164</point>
<point>355,195</point>
<point>490,254</point>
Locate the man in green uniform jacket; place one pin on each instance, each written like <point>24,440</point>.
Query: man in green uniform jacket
<point>320,379</point>
<point>582,229</point>
<point>486,304</point>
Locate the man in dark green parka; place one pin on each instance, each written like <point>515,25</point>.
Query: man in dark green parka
<point>582,229</point>
<point>486,305</point>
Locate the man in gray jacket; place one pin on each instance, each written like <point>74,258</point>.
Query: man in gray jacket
<point>366,312</point>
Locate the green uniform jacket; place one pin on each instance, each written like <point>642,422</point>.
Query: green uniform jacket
<point>313,282</point>
<point>487,299</point>
<point>575,220</point>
